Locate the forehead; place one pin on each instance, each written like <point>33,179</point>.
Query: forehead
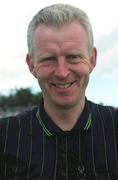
<point>73,33</point>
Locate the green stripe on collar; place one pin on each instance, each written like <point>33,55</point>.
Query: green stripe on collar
<point>89,121</point>
<point>42,124</point>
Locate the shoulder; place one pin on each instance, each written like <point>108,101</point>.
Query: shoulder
<point>103,109</point>
<point>22,117</point>
<point>107,115</point>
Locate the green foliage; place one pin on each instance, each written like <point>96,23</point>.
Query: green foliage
<point>21,97</point>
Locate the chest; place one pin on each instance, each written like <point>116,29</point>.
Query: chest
<point>90,155</point>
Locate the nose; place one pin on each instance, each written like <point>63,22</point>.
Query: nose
<point>62,68</point>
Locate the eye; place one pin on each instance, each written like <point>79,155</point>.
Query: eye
<point>51,58</point>
<point>74,58</point>
<point>47,60</point>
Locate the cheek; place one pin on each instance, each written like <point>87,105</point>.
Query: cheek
<point>86,64</point>
<point>42,74</point>
<point>38,72</point>
<point>35,71</point>
<point>82,70</point>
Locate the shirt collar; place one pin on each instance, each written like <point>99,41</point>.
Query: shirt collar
<point>50,128</point>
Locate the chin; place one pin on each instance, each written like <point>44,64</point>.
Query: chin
<point>65,104</point>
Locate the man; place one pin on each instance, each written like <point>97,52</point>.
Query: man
<point>66,137</point>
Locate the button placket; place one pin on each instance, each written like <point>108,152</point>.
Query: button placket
<point>62,158</point>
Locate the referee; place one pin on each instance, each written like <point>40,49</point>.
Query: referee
<point>66,137</point>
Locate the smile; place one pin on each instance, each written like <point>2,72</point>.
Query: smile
<point>63,86</point>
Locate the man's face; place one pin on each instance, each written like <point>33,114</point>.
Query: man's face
<point>57,64</point>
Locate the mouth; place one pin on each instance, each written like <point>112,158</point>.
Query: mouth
<point>64,85</point>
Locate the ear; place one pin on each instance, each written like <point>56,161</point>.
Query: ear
<point>93,58</point>
<point>30,64</point>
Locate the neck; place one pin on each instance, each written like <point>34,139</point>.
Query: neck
<point>65,118</point>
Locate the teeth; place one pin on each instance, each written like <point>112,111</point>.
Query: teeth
<point>63,86</point>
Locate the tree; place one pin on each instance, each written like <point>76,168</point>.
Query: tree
<point>20,97</point>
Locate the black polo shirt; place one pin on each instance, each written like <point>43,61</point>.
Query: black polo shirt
<point>33,147</point>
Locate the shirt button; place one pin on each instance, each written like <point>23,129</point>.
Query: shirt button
<point>81,172</point>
